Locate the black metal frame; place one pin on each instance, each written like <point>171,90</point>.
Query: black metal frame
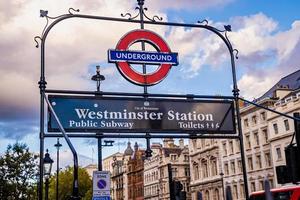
<point>222,34</point>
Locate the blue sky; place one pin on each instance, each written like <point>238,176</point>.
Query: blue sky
<point>266,33</point>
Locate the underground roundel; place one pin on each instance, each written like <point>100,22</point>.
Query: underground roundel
<point>162,57</point>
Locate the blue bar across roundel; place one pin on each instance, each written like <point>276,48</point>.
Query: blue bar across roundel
<point>143,57</point>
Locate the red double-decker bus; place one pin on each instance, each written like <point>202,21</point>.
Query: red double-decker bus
<point>284,193</point>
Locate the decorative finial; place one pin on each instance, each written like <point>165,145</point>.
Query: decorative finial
<point>140,2</point>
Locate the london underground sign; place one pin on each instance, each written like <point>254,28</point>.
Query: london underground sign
<point>123,57</point>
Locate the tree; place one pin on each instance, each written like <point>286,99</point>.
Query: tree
<point>66,183</point>
<point>18,171</point>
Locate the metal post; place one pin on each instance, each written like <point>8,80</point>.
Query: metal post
<point>100,153</point>
<point>47,188</point>
<point>141,11</point>
<point>223,189</point>
<point>172,195</point>
<point>57,145</point>
<point>268,194</point>
<point>238,117</point>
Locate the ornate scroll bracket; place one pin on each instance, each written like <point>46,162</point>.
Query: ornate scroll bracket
<point>155,18</point>
<point>44,14</point>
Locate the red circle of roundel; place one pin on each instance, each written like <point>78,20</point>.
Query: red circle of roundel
<point>128,72</point>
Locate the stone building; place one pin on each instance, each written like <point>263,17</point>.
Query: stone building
<point>135,174</point>
<point>119,175</point>
<point>265,136</point>
<point>206,169</point>
<point>156,179</point>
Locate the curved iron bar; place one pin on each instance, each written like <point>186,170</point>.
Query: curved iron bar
<point>130,16</point>
<point>153,18</point>
<point>72,9</point>
<point>204,22</point>
<point>236,53</point>
<point>36,41</point>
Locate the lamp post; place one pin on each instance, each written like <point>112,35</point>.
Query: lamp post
<point>98,78</point>
<point>222,179</point>
<point>57,145</point>
<point>107,143</point>
<point>47,171</point>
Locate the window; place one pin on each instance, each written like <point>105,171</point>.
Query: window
<point>239,162</point>
<point>216,195</point>
<point>246,123</point>
<point>254,119</point>
<point>226,169</point>
<point>286,125</point>
<point>232,167</point>
<point>235,192</point>
<point>278,152</point>
<point>174,172</point>
<point>206,197</point>
<point>252,186</point>
<point>263,116</point>
<point>258,161</point>
<point>173,157</point>
<point>265,135</point>
<point>256,138</point>
<point>275,127</point>
<point>248,143</point>
<point>196,172</point>
<point>261,185</point>
<point>205,169</point>
<point>250,163</point>
<point>230,147</point>
<point>238,148</point>
<point>242,190</point>
<point>268,159</point>
<point>214,167</point>
<point>186,158</point>
<point>224,149</point>
<point>186,171</point>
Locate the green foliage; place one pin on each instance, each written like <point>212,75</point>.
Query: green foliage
<point>66,182</point>
<point>18,171</point>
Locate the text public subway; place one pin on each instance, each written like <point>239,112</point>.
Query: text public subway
<point>125,119</point>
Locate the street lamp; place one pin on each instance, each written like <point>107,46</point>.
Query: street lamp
<point>57,145</point>
<point>98,77</point>
<point>47,171</point>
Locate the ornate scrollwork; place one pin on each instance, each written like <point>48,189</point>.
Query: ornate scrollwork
<point>236,53</point>
<point>141,11</point>
<point>153,18</point>
<point>44,13</point>
<point>36,41</point>
<point>204,22</point>
<point>74,10</point>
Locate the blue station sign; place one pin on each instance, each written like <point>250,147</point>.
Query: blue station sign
<point>142,57</point>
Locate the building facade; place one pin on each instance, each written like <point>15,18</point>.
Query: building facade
<point>135,174</point>
<point>216,164</point>
<point>156,177</point>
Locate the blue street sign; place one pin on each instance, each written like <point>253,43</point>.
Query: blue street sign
<point>102,198</point>
<point>143,57</point>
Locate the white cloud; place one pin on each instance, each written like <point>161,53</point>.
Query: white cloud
<point>187,4</point>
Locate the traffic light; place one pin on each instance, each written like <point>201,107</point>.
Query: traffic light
<point>291,171</point>
<point>292,163</point>
<point>177,188</point>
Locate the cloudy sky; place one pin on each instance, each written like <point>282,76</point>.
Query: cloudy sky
<point>266,33</point>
